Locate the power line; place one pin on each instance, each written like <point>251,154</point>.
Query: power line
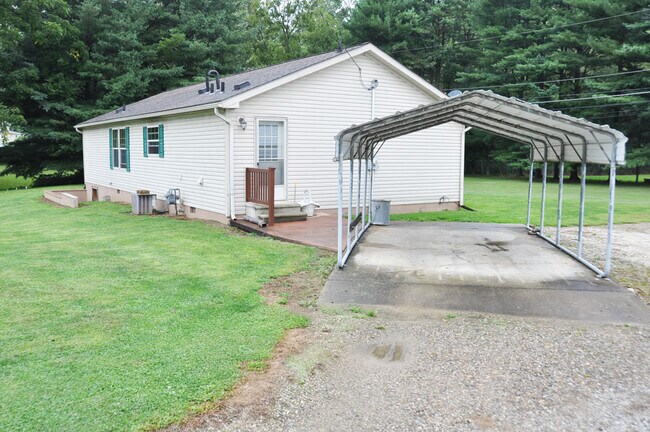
<point>555,81</point>
<point>608,105</point>
<point>592,97</point>
<point>598,92</point>
<point>524,33</point>
<point>622,115</point>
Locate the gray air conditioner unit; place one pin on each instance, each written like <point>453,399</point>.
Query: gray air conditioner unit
<point>142,202</point>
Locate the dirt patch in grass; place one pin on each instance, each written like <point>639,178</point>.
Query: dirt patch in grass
<point>255,395</point>
<point>300,290</point>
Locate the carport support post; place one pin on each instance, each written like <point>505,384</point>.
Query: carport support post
<point>351,192</point>
<point>559,197</point>
<point>541,218</point>
<point>340,218</point>
<point>530,185</point>
<point>372,182</point>
<point>358,205</point>
<point>610,218</point>
<point>583,185</point>
<point>365,188</point>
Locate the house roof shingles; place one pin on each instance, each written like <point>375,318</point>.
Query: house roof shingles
<point>186,97</point>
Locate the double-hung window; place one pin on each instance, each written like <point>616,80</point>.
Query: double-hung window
<point>153,140</point>
<point>119,146</point>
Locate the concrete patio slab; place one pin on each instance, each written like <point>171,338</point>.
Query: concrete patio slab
<point>476,267</point>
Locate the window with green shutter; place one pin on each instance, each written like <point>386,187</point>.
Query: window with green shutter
<point>127,165</point>
<point>110,147</point>
<point>153,140</point>
<point>145,141</point>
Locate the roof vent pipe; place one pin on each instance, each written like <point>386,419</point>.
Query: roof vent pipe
<point>217,80</point>
<point>216,86</point>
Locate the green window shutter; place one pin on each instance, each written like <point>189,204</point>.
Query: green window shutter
<point>128,150</point>
<point>145,143</point>
<point>110,147</point>
<point>161,142</point>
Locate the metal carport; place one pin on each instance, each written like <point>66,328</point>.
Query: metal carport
<point>552,136</point>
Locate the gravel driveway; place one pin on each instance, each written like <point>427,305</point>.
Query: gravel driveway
<point>408,369</point>
<point>418,371</point>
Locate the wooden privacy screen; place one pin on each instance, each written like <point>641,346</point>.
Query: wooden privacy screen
<point>260,189</point>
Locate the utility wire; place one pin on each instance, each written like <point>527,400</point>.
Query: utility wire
<point>599,92</point>
<point>524,33</point>
<point>592,97</point>
<point>622,115</point>
<point>555,81</point>
<point>373,83</point>
<point>608,105</point>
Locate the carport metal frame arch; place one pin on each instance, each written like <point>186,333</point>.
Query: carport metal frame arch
<point>529,124</point>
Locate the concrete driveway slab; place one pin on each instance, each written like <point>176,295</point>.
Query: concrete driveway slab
<point>477,267</point>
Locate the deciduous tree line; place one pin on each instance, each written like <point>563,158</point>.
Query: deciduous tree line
<point>64,61</point>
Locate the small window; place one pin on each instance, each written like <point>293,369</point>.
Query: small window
<point>153,140</point>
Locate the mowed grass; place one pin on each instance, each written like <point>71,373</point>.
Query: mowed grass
<point>10,181</point>
<point>626,178</point>
<point>118,322</point>
<point>502,200</point>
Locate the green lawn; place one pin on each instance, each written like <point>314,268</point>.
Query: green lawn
<point>626,178</point>
<point>118,322</point>
<point>12,182</point>
<point>505,200</point>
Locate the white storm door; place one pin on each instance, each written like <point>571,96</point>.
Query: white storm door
<point>271,152</point>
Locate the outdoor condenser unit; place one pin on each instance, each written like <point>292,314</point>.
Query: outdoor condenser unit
<point>142,202</point>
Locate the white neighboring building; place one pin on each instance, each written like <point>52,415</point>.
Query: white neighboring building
<point>284,116</point>
<point>9,136</point>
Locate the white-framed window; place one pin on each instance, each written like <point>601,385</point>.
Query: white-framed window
<point>153,140</point>
<point>270,141</point>
<point>119,145</point>
<point>271,149</point>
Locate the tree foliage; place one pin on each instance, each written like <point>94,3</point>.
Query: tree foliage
<point>64,61</point>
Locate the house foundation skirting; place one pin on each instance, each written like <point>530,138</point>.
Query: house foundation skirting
<point>105,193</point>
<point>427,207</point>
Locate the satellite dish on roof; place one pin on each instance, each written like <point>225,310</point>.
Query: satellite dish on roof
<point>454,93</point>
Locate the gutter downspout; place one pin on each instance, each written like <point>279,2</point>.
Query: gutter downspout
<point>231,174</point>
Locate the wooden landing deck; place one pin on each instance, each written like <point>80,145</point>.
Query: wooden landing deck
<point>318,230</point>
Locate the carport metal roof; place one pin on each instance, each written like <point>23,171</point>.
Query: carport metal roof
<point>507,117</point>
<point>552,136</point>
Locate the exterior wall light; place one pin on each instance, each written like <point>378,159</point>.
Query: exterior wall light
<point>243,123</point>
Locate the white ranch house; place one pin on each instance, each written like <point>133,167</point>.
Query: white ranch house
<point>285,116</point>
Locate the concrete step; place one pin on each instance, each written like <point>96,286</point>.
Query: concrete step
<point>281,208</point>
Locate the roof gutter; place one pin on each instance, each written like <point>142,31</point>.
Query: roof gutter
<point>155,114</point>
<point>231,162</point>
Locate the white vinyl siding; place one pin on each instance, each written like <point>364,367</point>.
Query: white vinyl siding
<point>419,168</point>
<point>195,149</point>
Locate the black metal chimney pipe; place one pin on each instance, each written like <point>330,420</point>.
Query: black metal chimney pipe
<point>212,73</point>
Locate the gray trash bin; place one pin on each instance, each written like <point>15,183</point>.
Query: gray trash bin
<point>381,212</point>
